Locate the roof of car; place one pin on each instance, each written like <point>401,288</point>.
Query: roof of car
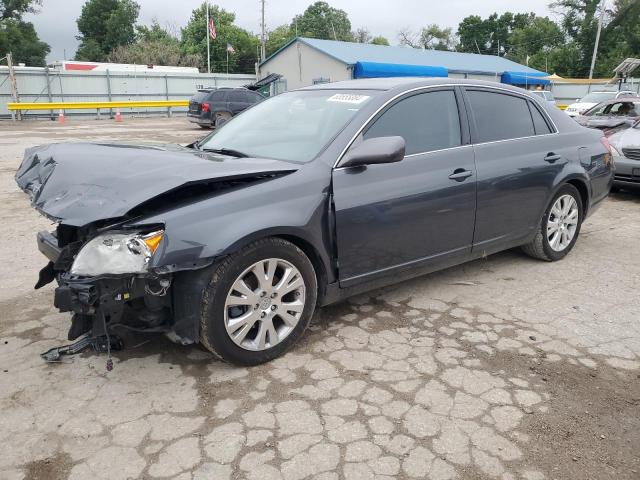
<point>392,83</point>
<point>621,99</point>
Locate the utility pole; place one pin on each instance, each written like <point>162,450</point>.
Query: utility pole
<point>14,84</point>
<point>262,35</point>
<point>595,47</point>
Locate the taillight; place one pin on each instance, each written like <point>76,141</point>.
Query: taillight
<point>205,107</point>
<point>607,156</point>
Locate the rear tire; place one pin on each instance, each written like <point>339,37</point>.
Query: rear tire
<point>248,321</point>
<point>221,119</point>
<point>565,211</point>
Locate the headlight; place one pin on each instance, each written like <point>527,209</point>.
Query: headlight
<point>614,151</point>
<point>114,253</point>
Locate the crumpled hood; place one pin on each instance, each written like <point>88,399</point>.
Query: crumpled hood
<point>606,121</point>
<point>79,183</point>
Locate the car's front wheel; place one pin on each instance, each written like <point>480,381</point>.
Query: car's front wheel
<point>559,226</point>
<point>259,302</point>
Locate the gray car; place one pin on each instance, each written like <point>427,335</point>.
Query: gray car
<point>303,200</point>
<point>625,146</point>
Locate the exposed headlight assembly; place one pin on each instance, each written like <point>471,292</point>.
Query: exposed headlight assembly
<point>116,253</point>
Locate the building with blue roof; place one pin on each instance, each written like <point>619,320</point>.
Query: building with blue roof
<point>307,61</point>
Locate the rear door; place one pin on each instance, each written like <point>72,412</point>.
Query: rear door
<point>219,101</point>
<point>238,101</point>
<point>419,211</point>
<point>518,156</point>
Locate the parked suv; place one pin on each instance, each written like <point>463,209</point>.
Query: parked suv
<point>212,107</point>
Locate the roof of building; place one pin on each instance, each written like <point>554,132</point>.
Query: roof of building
<point>350,53</point>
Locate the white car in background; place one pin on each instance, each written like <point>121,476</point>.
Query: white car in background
<point>592,99</point>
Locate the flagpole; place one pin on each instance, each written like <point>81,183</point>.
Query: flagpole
<point>208,53</point>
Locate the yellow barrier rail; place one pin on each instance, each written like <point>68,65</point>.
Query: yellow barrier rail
<point>97,105</point>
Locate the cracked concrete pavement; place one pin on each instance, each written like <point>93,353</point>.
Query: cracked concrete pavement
<point>504,368</point>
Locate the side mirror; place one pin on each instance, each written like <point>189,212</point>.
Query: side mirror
<point>375,150</point>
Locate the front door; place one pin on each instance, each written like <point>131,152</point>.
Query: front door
<point>421,210</point>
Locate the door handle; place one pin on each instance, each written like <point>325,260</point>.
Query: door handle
<point>460,174</point>
<point>552,157</point>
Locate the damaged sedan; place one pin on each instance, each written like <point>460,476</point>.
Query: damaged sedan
<point>301,201</point>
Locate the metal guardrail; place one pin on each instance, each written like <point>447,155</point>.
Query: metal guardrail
<point>97,105</point>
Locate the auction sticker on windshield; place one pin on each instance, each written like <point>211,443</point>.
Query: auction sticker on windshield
<point>347,98</point>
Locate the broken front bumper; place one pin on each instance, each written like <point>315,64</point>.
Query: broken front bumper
<point>99,302</point>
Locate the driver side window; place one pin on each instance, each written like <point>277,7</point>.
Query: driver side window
<point>427,121</point>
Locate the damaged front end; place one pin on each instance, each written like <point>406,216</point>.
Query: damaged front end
<point>105,282</point>
<point>114,269</point>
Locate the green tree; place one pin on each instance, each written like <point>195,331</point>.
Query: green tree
<point>535,41</point>
<point>380,40</point>
<point>105,25</point>
<point>20,37</point>
<point>278,37</point>
<point>491,35</point>
<point>320,20</point>
<point>431,37</point>
<point>620,38</point>
<point>194,41</point>
<point>15,9</point>
<point>154,45</point>
<point>579,21</point>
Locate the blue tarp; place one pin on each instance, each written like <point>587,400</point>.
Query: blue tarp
<point>375,70</point>
<point>525,78</point>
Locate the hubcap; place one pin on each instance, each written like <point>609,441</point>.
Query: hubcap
<point>264,304</point>
<point>562,222</point>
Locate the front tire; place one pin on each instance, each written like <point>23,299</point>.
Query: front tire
<point>559,227</point>
<point>259,302</point>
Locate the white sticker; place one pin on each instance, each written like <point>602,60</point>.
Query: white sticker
<point>348,98</point>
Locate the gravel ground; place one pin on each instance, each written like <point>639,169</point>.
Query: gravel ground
<point>504,368</point>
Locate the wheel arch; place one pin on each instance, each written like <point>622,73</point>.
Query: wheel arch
<point>581,186</point>
<point>300,239</point>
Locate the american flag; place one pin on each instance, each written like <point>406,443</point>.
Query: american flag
<point>230,49</point>
<point>212,29</point>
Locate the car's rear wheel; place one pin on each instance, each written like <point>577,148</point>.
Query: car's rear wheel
<point>559,227</point>
<point>259,302</point>
<point>221,118</point>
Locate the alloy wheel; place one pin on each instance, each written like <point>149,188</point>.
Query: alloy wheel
<point>562,222</point>
<point>264,304</point>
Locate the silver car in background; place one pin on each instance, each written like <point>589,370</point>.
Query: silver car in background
<point>625,147</point>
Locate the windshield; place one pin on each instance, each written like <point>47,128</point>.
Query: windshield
<point>292,126</point>
<point>622,109</point>
<point>598,97</point>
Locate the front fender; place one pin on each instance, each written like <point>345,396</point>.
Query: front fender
<point>296,205</point>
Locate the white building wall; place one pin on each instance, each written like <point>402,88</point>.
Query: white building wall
<point>301,65</point>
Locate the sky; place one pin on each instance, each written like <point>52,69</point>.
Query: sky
<point>56,22</point>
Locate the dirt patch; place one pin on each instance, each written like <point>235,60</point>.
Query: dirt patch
<point>591,430</point>
<point>52,468</point>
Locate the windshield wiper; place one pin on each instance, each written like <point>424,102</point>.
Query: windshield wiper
<point>226,151</point>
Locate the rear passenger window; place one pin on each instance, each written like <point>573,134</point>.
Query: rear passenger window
<point>237,96</point>
<point>426,121</point>
<point>499,116</point>
<point>218,97</point>
<point>540,124</point>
